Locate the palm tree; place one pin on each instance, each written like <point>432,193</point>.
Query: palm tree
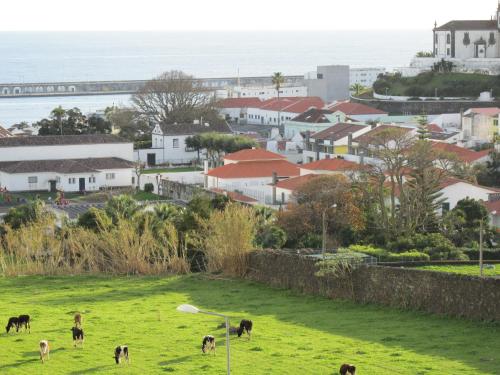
<point>278,80</point>
<point>58,113</point>
<point>357,88</point>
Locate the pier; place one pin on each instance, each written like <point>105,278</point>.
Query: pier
<point>20,90</point>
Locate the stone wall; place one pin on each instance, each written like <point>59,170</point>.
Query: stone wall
<point>185,192</point>
<point>411,289</point>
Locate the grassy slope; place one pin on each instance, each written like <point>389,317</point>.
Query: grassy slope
<point>292,334</point>
<point>464,270</point>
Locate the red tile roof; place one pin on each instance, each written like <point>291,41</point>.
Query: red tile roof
<point>492,111</point>
<point>256,169</point>
<point>314,116</point>
<point>332,165</point>
<point>493,206</point>
<point>235,196</point>
<point>253,154</point>
<point>464,154</point>
<point>294,183</point>
<point>352,109</point>
<point>338,131</point>
<point>292,104</point>
<point>433,128</point>
<point>240,103</point>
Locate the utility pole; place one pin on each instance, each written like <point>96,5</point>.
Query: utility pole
<point>481,247</point>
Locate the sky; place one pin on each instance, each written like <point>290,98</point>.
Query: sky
<point>135,15</point>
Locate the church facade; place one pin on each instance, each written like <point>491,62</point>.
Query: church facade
<point>474,39</point>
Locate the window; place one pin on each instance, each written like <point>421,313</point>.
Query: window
<point>58,180</point>
<point>436,38</point>
<point>320,76</point>
<point>32,180</point>
<point>448,52</point>
<point>110,176</point>
<point>495,122</point>
<point>92,180</point>
<point>492,40</point>
<point>448,38</point>
<point>445,207</point>
<point>175,143</point>
<point>72,180</point>
<point>133,180</point>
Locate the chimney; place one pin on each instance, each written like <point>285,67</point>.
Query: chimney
<point>275,181</point>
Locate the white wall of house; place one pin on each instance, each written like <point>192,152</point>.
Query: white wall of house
<point>267,92</point>
<point>231,184</point>
<point>168,149</point>
<point>462,190</point>
<point>479,127</point>
<point>40,181</point>
<point>81,151</point>
<point>364,76</point>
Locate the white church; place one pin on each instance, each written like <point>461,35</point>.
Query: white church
<point>477,39</point>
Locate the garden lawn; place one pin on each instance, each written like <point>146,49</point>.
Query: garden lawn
<point>293,334</point>
<point>464,270</point>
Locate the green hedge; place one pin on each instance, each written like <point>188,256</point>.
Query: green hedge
<point>488,254</point>
<point>386,256</point>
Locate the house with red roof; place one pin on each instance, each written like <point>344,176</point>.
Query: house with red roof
<point>332,166</point>
<point>274,111</point>
<point>357,111</point>
<point>480,125</point>
<point>454,190</point>
<point>463,154</point>
<point>286,188</point>
<point>250,174</point>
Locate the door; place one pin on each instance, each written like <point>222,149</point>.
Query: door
<point>82,184</point>
<point>151,159</point>
<point>53,187</point>
<point>480,50</point>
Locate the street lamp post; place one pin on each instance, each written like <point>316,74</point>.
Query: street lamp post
<point>481,225</point>
<point>323,247</point>
<point>190,309</point>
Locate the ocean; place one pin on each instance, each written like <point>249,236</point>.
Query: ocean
<point>81,56</point>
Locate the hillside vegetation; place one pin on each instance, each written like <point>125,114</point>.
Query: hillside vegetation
<point>448,85</point>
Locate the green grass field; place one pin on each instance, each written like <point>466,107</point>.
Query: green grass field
<point>293,334</point>
<point>464,270</point>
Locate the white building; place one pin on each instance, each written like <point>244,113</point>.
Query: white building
<point>364,76</point>
<point>480,125</point>
<point>169,143</point>
<point>266,92</point>
<point>357,111</point>
<point>69,163</point>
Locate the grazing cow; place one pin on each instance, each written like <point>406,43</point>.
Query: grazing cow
<point>245,325</point>
<point>347,369</point>
<point>208,344</point>
<point>23,320</point>
<point>121,352</point>
<point>44,350</point>
<point>11,324</point>
<point>78,320</point>
<point>77,336</point>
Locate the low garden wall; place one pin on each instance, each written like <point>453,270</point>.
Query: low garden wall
<point>412,289</point>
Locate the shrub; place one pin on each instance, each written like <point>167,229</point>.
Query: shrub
<point>271,236</point>
<point>408,256</point>
<point>149,187</point>
<point>488,254</point>
<point>378,253</point>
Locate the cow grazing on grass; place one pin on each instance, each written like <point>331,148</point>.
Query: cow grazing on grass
<point>23,320</point>
<point>245,325</point>
<point>347,369</point>
<point>121,352</point>
<point>78,320</point>
<point>44,350</point>
<point>11,324</point>
<point>77,336</point>
<point>208,344</point>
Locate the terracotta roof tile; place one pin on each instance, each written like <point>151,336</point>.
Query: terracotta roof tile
<point>332,165</point>
<point>352,109</point>
<point>57,140</point>
<point>253,154</point>
<point>338,131</point>
<point>256,169</point>
<point>314,116</point>
<point>489,111</point>
<point>294,183</point>
<point>64,165</point>
<point>367,137</point>
<point>464,154</point>
<point>293,104</point>
<point>235,196</point>
<point>240,103</point>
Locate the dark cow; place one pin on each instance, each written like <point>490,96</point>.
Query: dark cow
<point>347,369</point>
<point>245,325</point>
<point>11,324</point>
<point>23,320</point>
<point>121,352</point>
<point>77,336</point>
<point>208,344</point>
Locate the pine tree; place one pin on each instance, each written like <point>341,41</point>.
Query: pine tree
<point>423,128</point>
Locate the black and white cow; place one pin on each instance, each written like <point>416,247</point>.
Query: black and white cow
<point>208,344</point>
<point>23,320</point>
<point>121,352</point>
<point>77,336</point>
<point>347,369</point>
<point>11,323</point>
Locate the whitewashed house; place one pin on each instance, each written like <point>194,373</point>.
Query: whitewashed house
<point>69,163</point>
<point>169,143</point>
<point>357,111</point>
<point>480,125</point>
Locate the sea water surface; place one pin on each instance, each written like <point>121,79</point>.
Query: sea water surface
<point>82,56</point>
